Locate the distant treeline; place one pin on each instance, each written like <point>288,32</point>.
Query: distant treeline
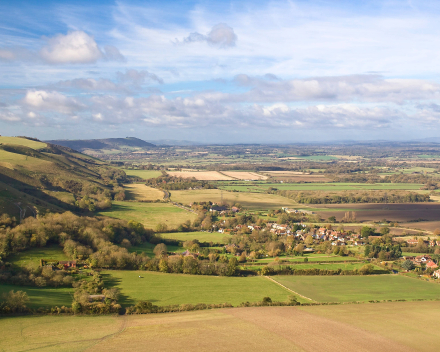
<point>319,197</point>
<point>177,183</point>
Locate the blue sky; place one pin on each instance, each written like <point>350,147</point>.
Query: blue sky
<point>230,72</point>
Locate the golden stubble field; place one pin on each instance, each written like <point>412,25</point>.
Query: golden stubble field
<point>201,175</point>
<point>139,192</point>
<point>398,326</point>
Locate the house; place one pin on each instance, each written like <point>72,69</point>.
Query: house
<point>187,253</point>
<point>218,208</point>
<point>235,209</point>
<point>412,242</point>
<point>422,259</point>
<point>68,263</point>
<point>431,265</point>
<point>436,274</point>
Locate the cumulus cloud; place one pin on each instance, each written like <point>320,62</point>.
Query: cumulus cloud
<point>221,35</point>
<point>51,101</point>
<point>88,84</point>
<point>76,47</point>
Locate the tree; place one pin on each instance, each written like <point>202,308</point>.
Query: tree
<point>309,240</point>
<point>16,300</point>
<point>385,230</point>
<point>266,301</point>
<point>332,219</point>
<point>366,269</point>
<point>163,265</point>
<point>408,265</point>
<point>160,250</point>
<point>367,231</point>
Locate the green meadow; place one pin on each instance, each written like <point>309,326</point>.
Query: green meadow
<point>31,257</point>
<point>144,174</point>
<point>166,289</point>
<point>149,214</point>
<point>360,288</point>
<point>215,237</point>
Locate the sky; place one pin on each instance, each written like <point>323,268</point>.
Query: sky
<point>220,71</point>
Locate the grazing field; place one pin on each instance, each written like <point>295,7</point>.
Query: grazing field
<point>248,200</point>
<point>242,175</point>
<point>22,141</point>
<point>165,289</point>
<point>43,296</point>
<point>140,192</point>
<point>376,212</point>
<point>148,248</point>
<point>31,257</point>
<point>355,327</point>
<point>149,214</point>
<point>322,266</point>
<point>201,175</point>
<point>360,288</point>
<point>12,160</point>
<point>144,174</point>
<point>215,237</point>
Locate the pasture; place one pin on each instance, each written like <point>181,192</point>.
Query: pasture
<point>141,192</point>
<point>149,214</point>
<point>148,248</point>
<point>360,288</point>
<point>354,327</point>
<point>31,257</point>
<point>45,297</point>
<point>252,201</point>
<point>22,141</point>
<point>201,236</point>
<point>144,174</point>
<point>166,289</point>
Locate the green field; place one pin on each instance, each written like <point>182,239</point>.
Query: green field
<point>22,141</point>
<point>144,174</point>
<point>43,296</point>
<point>251,201</point>
<point>147,248</point>
<point>360,288</point>
<point>149,214</point>
<point>166,289</point>
<point>262,187</point>
<point>31,257</point>
<point>215,237</point>
<point>336,266</point>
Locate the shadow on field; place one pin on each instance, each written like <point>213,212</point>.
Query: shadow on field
<point>109,282</point>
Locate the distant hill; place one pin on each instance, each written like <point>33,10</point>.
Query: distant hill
<point>173,142</point>
<point>99,144</point>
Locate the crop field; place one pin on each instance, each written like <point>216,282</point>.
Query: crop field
<point>242,175</point>
<point>295,176</point>
<point>376,212</point>
<point>22,141</point>
<point>145,174</point>
<point>31,257</point>
<point>251,201</point>
<point>360,288</point>
<point>201,175</point>
<point>149,214</point>
<point>140,192</point>
<point>215,237</point>
<point>166,289</point>
<point>423,225</point>
<point>321,186</point>
<point>354,327</point>
<point>43,296</point>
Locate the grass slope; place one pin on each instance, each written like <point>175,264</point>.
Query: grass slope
<point>360,288</point>
<point>31,257</point>
<point>144,174</point>
<point>166,289</point>
<point>215,237</point>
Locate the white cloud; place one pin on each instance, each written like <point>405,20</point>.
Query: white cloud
<point>221,35</point>
<point>75,47</point>
<point>51,101</point>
